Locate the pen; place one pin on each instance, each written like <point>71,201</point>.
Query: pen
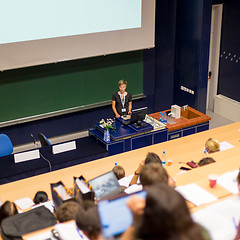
<point>234,222</point>
<point>80,233</point>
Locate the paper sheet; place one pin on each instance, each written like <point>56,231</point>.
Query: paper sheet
<point>49,205</point>
<point>225,145</point>
<point>24,203</point>
<point>125,181</point>
<point>62,192</point>
<point>195,194</point>
<point>229,181</point>
<point>82,186</point>
<point>134,188</point>
<point>218,218</point>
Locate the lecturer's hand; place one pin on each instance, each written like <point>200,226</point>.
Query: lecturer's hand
<point>129,113</point>
<point>117,116</point>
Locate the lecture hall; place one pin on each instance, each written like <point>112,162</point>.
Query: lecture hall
<point>120,120</point>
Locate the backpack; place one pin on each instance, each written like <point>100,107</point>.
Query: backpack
<point>12,228</point>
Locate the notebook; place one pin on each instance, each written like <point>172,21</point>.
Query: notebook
<point>105,186</point>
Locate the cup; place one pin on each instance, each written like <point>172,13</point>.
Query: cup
<point>169,162</point>
<point>212,180</point>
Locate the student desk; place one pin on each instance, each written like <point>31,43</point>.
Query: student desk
<point>179,150</point>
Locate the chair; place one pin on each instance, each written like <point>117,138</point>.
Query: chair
<point>6,147</point>
<point>43,140</point>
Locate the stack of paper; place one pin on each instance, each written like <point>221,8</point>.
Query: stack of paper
<point>195,194</point>
<point>229,181</point>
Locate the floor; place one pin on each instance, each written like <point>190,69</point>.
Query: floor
<point>217,121</point>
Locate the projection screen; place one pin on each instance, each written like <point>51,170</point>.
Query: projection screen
<point>51,31</point>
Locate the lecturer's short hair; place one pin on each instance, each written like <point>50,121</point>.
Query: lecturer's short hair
<point>122,82</point>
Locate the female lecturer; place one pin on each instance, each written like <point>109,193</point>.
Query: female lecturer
<point>121,100</point>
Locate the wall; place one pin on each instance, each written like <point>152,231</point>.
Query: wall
<point>229,69</point>
<point>180,57</point>
<point>192,52</point>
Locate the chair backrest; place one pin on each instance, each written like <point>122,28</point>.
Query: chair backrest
<point>6,147</point>
<point>43,140</point>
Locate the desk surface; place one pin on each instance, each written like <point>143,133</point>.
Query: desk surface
<point>179,150</point>
<point>183,122</point>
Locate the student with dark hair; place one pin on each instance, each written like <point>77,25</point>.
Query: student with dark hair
<point>164,215</point>
<point>68,211</point>
<point>87,220</point>
<point>153,173</point>
<point>40,197</point>
<point>119,172</point>
<point>205,161</point>
<point>7,209</point>
<point>152,158</point>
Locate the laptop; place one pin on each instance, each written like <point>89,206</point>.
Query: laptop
<point>105,186</point>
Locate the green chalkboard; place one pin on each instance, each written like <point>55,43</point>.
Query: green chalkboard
<point>48,88</point>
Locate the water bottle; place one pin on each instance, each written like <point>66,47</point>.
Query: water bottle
<point>204,154</point>
<point>165,118</point>
<point>163,158</point>
<point>160,117</point>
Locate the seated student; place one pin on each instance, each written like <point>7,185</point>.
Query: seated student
<point>40,197</point>
<point>119,172</point>
<point>205,161</point>
<point>87,219</point>
<point>212,145</point>
<point>164,215</point>
<point>150,158</point>
<point>67,211</point>
<point>7,209</point>
<point>153,173</point>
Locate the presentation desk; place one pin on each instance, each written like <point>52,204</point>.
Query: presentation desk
<point>179,150</point>
<point>126,138</point>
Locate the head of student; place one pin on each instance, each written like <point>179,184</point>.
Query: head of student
<point>152,158</point>
<point>122,84</point>
<point>88,220</point>
<point>68,211</point>
<point>166,216</point>
<point>40,197</point>
<point>205,161</point>
<point>119,172</point>
<point>7,209</point>
<point>212,145</point>
<point>152,173</point>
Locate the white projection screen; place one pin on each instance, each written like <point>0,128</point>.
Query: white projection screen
<point>50,31</point>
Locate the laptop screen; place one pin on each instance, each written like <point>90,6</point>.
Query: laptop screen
<point>115,216</point>
<point>104,184</point>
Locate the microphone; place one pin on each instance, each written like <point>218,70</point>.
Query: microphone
<point>34,141</point>
<point>36,146</point>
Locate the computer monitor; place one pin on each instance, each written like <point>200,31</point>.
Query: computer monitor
<point>138,115</point>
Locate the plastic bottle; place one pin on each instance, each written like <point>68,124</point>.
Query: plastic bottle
<point>204,154</point>
<point>165,118</point>
<point>163,158</point>
<point>160,117</point>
